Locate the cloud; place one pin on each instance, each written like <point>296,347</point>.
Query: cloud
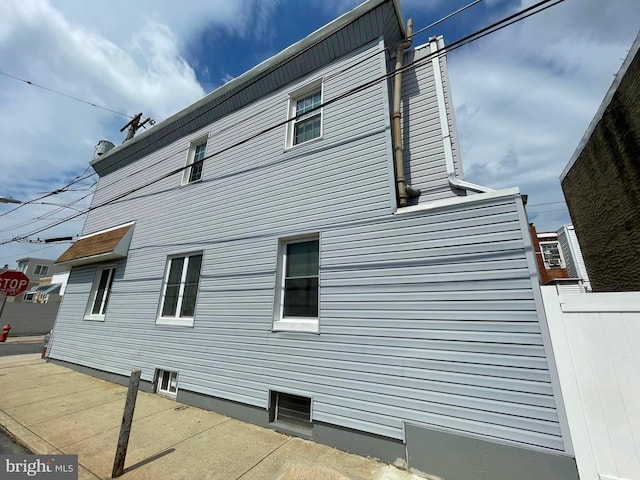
<point>48,139</point>
<point>127,56</point>
<point>529,92</point>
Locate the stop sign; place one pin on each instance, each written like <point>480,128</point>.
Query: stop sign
<point>13,283</point>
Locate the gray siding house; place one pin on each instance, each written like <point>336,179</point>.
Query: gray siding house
<point>251,255</point>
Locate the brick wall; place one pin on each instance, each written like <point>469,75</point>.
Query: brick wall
<point>602,190</point>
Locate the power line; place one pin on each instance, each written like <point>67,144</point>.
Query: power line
<point>416,63</point>
<point>518,16</point>
<point>28,82</point>
<point>62,189</point>
<point>546,203</point>
<point>389,48</point>
<point>284,62</point>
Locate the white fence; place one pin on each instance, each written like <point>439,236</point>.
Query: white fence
<point>596,344</point>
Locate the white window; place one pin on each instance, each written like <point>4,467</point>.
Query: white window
<point>28,297</point>
<point>298,285</point>
<point>41,270</point>
<point>167,383</point>
<point>195,162</point>
<point>552,255</point>
<point>180,290</point>
<point>100,293</point>
<point>306,113</point>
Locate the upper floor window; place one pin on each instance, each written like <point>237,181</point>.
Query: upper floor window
<point>306,113</point>
<point>180,290</point>
<point>298,286</point>
<point>552,255</point>
<point>100,293</point>
<point>41,270</point>
<point>195,162</point>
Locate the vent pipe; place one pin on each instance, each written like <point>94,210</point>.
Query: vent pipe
<point>404,190</point>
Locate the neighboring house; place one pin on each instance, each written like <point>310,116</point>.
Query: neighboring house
<point>572,255</point>
<point>50,289</point>
<point>559,259</point>
<point>36,269</point>
<point>601,184</point>
<point>270,271</point>
<point>549,257</point>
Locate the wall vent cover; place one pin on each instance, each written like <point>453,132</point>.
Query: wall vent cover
<point>291,409</point>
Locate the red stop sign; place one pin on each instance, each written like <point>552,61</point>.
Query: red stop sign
<point>13,283</point>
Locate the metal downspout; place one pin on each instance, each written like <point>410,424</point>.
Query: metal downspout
<point>403,189</point>
<point>437,45</point>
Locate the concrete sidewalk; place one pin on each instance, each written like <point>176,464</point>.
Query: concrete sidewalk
<point>52,409</point>
<point>25,339</point>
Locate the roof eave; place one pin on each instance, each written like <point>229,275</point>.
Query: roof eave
<point>289,52</point>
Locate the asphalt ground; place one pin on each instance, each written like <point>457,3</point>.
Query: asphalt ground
<point>20,348</point>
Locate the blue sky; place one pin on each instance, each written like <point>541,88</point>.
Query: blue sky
<point>523,97</point>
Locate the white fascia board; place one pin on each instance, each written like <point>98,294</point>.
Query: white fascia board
<point>448,202</point>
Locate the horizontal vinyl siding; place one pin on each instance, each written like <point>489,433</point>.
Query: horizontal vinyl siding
<point>423,148</point>
<point>409,331</point>
<point>425,317</point>
<point>259,181</point>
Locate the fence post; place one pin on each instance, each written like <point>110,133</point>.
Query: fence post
<point>125,428</point>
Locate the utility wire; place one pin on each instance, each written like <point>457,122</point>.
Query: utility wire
<point>28,82</point>
<point>252,81</point>
<point>62,189</point>
<point>518,16</point>
<point>212,135</point>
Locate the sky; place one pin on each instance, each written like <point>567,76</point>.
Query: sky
<point>523,97</point>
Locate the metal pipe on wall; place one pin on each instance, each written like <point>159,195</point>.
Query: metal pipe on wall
<point>404,190</point>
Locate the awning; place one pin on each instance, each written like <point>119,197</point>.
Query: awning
<point>46,289</point>
<point>49,289</point>
<point>110,244</point>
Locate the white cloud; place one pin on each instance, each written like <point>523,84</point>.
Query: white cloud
<point>525,96</point>
<point>126,59</point>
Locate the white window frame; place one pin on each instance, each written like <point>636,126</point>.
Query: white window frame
<point>94,292</point>
<point>293,324</point>
<point>172,383</point>
<point>177,319</point>
<point>544,258</point>
<point>193,146</point>
<point>25,299</point>
<point>313,87</point>
<point>38,270</point>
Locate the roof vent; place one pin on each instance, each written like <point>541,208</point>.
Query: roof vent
<point>102,147</point>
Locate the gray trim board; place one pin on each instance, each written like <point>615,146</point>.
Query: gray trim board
<point>382,448</point>
<point>450,456</point>
<point>361,443</point>
<point>241,411</point>
<point>145,385</point>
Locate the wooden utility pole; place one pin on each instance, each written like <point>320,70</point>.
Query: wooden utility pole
<point>134,124</point>
<point>125,427</point>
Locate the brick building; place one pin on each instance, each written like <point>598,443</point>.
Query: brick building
<point>601,184</point>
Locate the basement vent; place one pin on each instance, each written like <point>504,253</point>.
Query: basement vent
<point>291,410</point>
<point>167,383</point>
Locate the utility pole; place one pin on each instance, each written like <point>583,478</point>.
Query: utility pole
<point>134,125</point>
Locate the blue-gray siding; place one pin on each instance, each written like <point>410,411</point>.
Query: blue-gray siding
<point>425,317</point>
